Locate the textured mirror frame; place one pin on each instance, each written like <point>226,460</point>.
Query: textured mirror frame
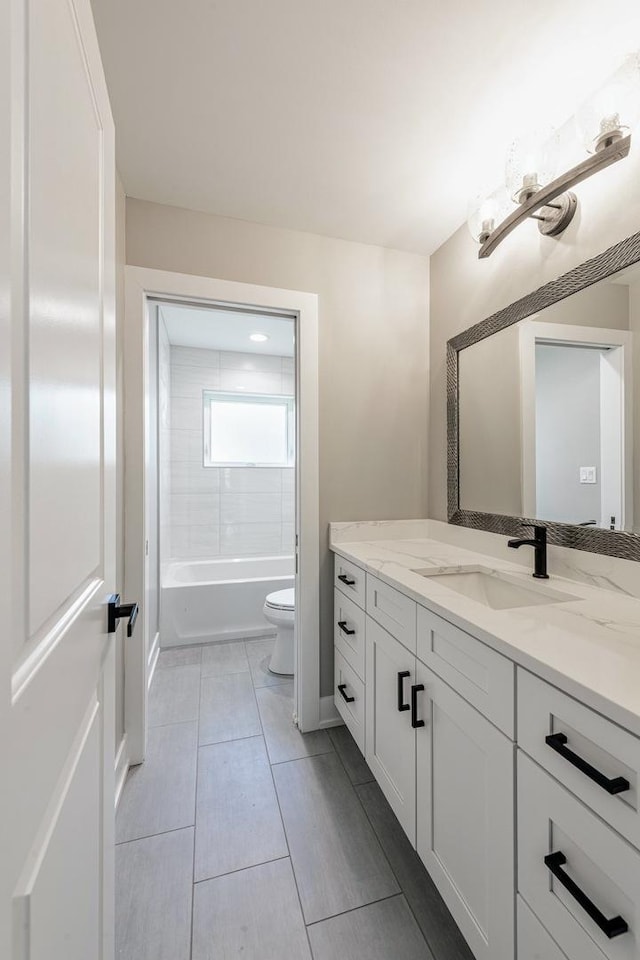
<point>612,543</point>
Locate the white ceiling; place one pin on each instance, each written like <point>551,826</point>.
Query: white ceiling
<point>370,120</point>
<point>227,330</point>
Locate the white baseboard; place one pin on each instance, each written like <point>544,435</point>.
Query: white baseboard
<point>154,653</point>
<point>329,716</point>
<point>122,768</point>
<point>222,636</point>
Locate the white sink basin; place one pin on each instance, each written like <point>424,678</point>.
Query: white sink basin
<point>493,588</point>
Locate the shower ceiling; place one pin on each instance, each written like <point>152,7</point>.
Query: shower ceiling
<point>227,330</point>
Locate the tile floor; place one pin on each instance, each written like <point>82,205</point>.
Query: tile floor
<point>241,838</point>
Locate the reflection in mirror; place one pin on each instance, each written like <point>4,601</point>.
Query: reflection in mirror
<point>549,412</point>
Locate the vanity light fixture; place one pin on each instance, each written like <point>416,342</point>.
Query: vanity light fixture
<point>604,122</point>
<point>258,337</point>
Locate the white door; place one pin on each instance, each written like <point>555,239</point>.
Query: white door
<point>465,816</point>
<point>390,738</point>
<point>57,449</point>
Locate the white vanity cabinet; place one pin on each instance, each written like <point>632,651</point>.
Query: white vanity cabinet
<point>465,815</point>
<point>434,712</point>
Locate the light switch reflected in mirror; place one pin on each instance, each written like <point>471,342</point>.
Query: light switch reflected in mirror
<point>549,412</point>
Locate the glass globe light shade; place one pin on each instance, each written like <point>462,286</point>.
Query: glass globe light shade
<point>612,111</point>
<point>485,212</point>
<point>531,163</point>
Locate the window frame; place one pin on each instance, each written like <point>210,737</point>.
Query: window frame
<point>268,399</point>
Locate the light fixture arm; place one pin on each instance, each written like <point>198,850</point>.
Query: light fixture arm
<point>557,188</point>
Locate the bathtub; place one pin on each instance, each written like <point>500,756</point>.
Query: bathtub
<point>204,601</point>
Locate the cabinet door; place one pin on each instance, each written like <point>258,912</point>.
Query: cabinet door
<point>465,816</point>
<point>390,738</point>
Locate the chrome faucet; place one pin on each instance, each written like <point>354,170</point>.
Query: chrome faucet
<point>539,544</point>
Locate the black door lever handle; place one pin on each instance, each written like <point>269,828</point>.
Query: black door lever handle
<point>117,610</point>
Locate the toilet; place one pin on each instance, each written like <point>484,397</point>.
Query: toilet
<point>279,609</point>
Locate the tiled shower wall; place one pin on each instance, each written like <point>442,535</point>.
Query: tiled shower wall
<point>164,438</point>
<point>230,511</point>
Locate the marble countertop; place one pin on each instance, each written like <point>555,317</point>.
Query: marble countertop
<point>589,647</point>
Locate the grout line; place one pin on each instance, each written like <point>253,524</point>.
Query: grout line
<point>160,833</point>
<point>212,743</point>
<point>229,873</point>
<point>361,906</point>
<point>284,829</point>
<point>395,875</point>
<point>195,813</point>
<point>307,756</point>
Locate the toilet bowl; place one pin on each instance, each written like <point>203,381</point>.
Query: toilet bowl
<point>279,609</point>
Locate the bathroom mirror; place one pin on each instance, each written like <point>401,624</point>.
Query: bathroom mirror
<point>544,411</point>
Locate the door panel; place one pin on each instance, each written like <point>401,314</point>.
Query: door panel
<point>58,452</point>
<point>390,740</point>
<point>465,816</point>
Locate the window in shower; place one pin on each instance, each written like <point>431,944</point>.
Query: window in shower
<point>248,430</point>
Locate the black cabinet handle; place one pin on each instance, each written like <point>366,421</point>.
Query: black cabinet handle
<point>345,629</point>
<point>342,687</point>
<point>415,690</point>
<point>610,927</point>
<point>116,610</point>
<point>402,675</point>
<point>558,741</point>
<point>345,579</point>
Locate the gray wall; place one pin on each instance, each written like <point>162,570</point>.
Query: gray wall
<point>567,433</point>
<point>373,322</point>
<point>465,290</point>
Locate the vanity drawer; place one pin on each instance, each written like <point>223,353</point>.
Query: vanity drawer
<point>348,631</point>
<point>589,855</point>
<point>596,756</point>
<point>479,674</point>
<point>534,942</point>
<point>393,611</point>
<point>351,711</point>
<point>350,578</point>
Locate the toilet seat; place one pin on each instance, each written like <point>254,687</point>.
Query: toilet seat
<point>281,600</point>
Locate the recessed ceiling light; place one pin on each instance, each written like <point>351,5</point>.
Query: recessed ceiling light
<point>258,337</point>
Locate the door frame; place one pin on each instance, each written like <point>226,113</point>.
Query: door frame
<point>535,331</point>
<point>141,285</point>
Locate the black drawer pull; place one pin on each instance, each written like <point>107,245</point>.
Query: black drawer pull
<point>345,579</point>
<point>415,690</point>
<point>611,928</point>
<point>342,687</point>
<point>557,742</point>
<point>345,629</point>
<point>402,675</point>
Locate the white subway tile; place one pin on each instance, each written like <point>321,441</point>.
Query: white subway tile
<point>250,539</point>
<point>195,357</point>
<point>288,384</point>
<point>253,362</point>
<point>288,507</point>
<point>191,477</point>
<point>186,414</point>
<point>288,479</point>
<point>250,507</point>
<point>194,509</point>
<point>195,542</point>
<point>191,381</point>
<point>250,479</point>
<point>288,538</point>
<point>246,381</point>
<point>186,445</point>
